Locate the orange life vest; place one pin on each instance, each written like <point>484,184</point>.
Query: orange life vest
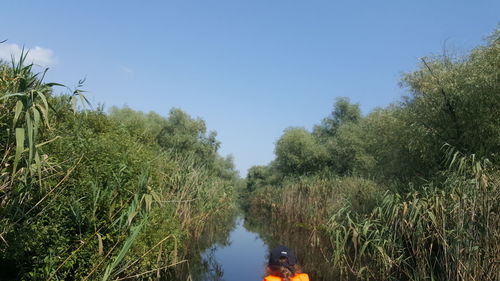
<point>297,277</point>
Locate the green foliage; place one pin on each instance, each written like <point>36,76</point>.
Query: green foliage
<point>456,102</point>
<point>25,100</point>
<point>187,135</point>
<point>298,152</point>
<point>144,126</point>
<point>311,200</point>
<point>85,195</point>
<point>447,232</point>
<point>434,156</point>
<point>257,176</point>
<point>343,113</point>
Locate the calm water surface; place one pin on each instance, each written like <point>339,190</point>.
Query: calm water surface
<point>243,259</point>
<point>236,249</point>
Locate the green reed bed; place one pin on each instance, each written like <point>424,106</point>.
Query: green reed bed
<point>448,232</point>
<point>311,200</point>
<point>412,190</point>
<point>86,195</point>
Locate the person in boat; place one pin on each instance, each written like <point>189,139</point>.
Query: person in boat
<point>282,266</point>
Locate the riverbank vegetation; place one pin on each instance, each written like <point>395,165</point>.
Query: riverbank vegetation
<point>406,192</point>
<point>87,195</point>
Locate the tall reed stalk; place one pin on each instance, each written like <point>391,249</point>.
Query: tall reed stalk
<point>442,232</point>
<point>82,196</point>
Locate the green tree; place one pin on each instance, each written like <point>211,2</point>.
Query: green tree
<point>185,135</point>
<point>298,152</point>
<point>145,126</point>
<point>455,102</point>
<point>258,176</point>
<point>347,150</point>
<point>343,112</point>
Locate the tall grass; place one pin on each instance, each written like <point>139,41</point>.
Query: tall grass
<point>438,220</point>
<point>84,197</point>
<point>311,200</point>
<point>445,232</point>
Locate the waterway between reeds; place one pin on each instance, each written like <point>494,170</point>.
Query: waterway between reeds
<point>238,250</point>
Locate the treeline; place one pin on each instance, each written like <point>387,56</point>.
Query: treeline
<point>407,192</point>
<point>87,195</point>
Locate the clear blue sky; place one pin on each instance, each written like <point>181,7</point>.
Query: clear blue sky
<point>250,68</point>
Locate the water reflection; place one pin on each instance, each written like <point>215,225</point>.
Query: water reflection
<point>235,248</point>
<point>311,248</point>
<point>201,263</point>
<point>213,269</point>
<point>243,259</point>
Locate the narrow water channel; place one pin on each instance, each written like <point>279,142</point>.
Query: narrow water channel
<point>242,259</point>
<point>241,251</point>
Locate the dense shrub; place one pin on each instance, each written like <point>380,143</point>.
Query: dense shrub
<point>408,192</point>
<point>89,195</point>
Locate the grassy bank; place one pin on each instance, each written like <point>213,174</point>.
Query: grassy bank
<point>407,192</point>
<point>88,195</point>
<point>310,200</point>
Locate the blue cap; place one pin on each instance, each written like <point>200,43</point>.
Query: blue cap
<point>281,252</point>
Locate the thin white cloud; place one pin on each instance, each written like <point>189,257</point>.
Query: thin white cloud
<point>126,69</point>
<point>37,55</point>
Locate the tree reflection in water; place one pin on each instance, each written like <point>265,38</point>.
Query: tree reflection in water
<point>214,269</point>
<point>199,266</point>
<point>313,251</point>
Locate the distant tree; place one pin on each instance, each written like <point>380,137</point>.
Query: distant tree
<point>145,126</point>
<point>343,112</point>
<point>224,168</point>
<point>380,145</point>
<point>187,135</point>
<point>347,150</point>
<point>298,152</point>
<point>456,102</point>
<point>258,176</point>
